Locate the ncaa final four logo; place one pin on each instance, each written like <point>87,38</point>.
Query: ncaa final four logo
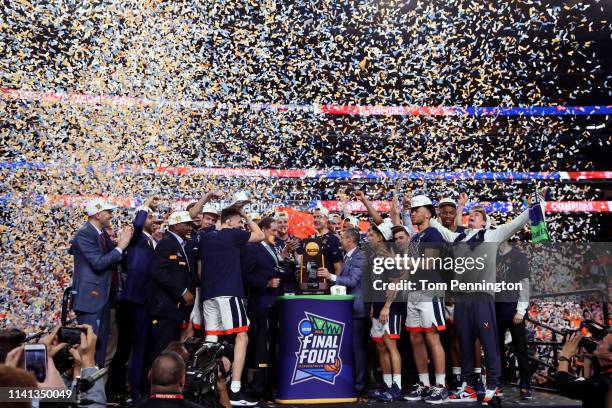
<point>319,355</point>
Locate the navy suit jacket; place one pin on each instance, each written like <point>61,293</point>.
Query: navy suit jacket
<point>350,277</point>
<point>137,263</point>
<point>93,266</point>
<point>258,267</point>
<point>171,274</point>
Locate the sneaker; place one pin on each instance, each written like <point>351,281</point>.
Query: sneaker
<point>375,394</point>
<point>525,394</point>
<point>419,392</point>
<point>489,395</point>
<point>453,393</point>
<point>500,391</point>
<point>391,394</point>
<point>238,399</point>
<point>463,394</point>
<point>438,394</point>
<point>396,392</point>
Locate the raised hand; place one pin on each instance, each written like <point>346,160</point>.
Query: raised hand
<point>151,202</point>
<point>344,199</point>
<point>463,199</point>
<point>215,194</point>
<point>359,195</point>
<point>124,236</point>
<point>52,342</point>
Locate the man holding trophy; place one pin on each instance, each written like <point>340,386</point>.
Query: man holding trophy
<point>223,290</point>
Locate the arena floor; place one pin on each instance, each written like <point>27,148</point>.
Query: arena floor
<point>511,399</point>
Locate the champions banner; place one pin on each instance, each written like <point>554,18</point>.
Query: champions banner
<point>315,360</point>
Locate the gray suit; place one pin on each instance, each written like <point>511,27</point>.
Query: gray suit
<point>91,282</point>
<point>95,393</point>
<point>350,276</point>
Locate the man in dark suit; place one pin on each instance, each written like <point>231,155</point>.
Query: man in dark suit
<point>262,271</point>
<point>350,276</point>
<point>96,276</point>
<point>133,317</point>
<point>173,283</point>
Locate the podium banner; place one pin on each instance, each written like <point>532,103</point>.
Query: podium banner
<point>315,361</point>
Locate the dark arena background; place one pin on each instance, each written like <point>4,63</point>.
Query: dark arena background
<point>296,103</point>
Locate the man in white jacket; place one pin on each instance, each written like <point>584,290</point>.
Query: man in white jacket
<point>475,306</point>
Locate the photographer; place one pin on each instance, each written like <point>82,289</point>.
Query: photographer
<point>592,390</point>
<point>15,358</point>
<point>222,398</point>
<point>167,377</point>
<point>84,363</point>
<point>84,366</point>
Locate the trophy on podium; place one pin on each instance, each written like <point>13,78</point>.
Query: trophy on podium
<point>312,259</point>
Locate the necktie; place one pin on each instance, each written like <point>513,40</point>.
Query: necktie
<point>271,250</point>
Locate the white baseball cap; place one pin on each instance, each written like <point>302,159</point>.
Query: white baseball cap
<point>353,221</point>
<point>96,205</point>
<point>209,209</point>
<point>420,201</point>
<point>385,228</point>
<point>423,201</point>
<point>281,214</point>
<point>179,217</point>
<point>447,201</point>
<point>324,211</point>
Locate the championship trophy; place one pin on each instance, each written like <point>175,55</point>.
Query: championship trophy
<point>240,199</point>
<point>312,259</point>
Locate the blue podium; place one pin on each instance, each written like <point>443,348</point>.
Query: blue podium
<point>315,359</point>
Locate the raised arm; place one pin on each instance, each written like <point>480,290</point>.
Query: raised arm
<point>394,212</point>
<point>344,201</point>
<point>463,199</point>
<point>257,234</point>
<point>406,213</point>
<point>141,214</point>
<point>199,205</point>
<point>371,210</point>
<point>505,231</point>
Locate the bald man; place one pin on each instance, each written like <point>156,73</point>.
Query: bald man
<point>167,378</point>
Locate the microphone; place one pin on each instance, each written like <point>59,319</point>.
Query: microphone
<point>87,383</point>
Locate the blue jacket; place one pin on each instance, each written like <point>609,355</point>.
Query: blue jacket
<point>258,267</point>
<point>350,277</point>
<point>93,266</point>
<point>171,274</point>
<point>138,263</point>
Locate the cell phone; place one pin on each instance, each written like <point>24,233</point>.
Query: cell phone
<point>70,335</point>
<point>36,360</point>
